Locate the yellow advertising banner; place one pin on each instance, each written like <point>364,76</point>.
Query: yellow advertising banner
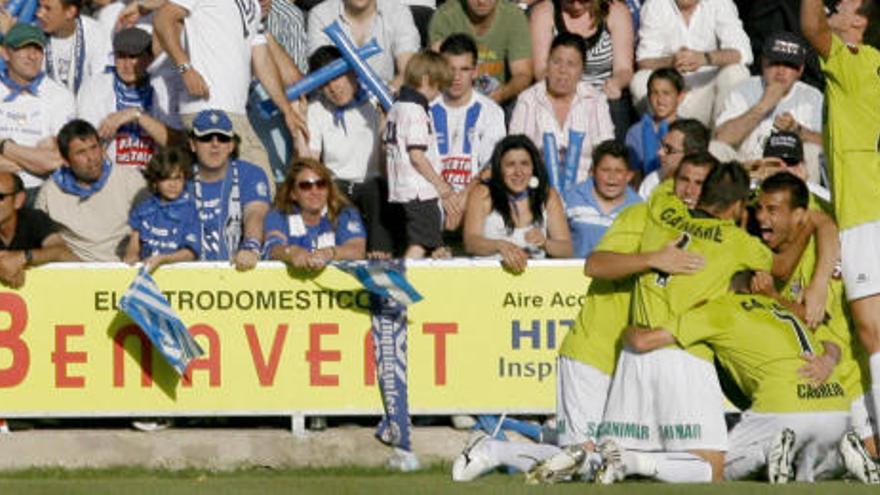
<point>277,342</point>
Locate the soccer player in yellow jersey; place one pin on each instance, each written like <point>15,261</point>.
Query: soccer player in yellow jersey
<point>761,343</point>
<point>670,400</point>
<point>848,43</point>
<point>781,211</point>
<point>589,350</point>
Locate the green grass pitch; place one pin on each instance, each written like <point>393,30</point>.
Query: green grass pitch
<point>341,481</point>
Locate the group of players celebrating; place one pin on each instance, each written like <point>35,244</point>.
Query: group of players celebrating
<point>710,278</point>
<point>679,284</point>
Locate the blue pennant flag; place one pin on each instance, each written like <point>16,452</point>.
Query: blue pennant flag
<point>145,304</point>
<point>384,278</point>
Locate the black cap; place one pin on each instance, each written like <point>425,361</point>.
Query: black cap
<point>786,146</point>
<point>132,41</point>
<point>784,47</point>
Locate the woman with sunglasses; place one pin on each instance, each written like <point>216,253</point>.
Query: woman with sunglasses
<point>607,28</point>
<point>516,215</point>
<point>312,222</point>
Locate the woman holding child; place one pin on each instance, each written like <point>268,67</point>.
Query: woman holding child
<point>516,215</point>
<point>312,222</point>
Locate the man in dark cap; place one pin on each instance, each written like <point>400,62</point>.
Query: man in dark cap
<point>774,101</point>
<point>125,106</point>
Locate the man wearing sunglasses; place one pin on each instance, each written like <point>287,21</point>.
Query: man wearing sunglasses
<point>774,101</point>
<point>28,237</point>
<point>232,195</point>
<point>685,137</point>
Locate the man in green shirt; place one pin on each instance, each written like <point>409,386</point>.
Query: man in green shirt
<point>500,29</point>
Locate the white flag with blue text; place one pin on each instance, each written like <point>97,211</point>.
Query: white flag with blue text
<point>145,304</point>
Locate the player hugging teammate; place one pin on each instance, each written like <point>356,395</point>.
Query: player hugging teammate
<point>679,288</point>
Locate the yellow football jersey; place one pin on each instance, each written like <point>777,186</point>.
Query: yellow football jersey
<point>852,131</point>
<point>760,343</point>
<point>659,297</point>
<point>595,337</point>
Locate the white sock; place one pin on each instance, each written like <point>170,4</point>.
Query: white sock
<point>521,455</point>
<point>873,399</point>
<point>676,467</point>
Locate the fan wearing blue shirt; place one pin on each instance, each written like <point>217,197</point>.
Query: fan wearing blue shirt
<point>165,227</point>
<point>591,206</point>
<point>231,195</point>
<point>312,222</point>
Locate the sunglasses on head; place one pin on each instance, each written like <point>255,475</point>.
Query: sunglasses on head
<point>207,138</point>
<point>307,185</point>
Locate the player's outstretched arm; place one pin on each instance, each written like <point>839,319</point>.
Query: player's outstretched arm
<point>814,26</point>
<point>671,259</point>
<point>827,256</point>
<point>641,339</point>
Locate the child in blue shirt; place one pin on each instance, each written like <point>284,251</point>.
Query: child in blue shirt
<point>165,225</point>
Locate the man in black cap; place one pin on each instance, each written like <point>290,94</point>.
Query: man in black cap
<point>784,152</point>
<point>125,106</point>
<point>772,102</point>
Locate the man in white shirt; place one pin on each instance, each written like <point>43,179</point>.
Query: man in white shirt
<point>702,39</point>
<point>467,123</point>
<point>33,108</point>
<point>225,40</point>
<point>389,21</point>
<point>774,101</point>
<point>78,47</point>
<point>124,105</point>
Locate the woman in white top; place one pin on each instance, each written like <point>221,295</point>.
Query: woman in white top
<point>516,215</point>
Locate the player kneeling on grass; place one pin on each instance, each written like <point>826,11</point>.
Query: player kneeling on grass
<point>798,416</point>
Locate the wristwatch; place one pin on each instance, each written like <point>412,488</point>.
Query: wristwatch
<point>182,67</point>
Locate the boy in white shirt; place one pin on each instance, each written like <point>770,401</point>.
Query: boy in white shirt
<point>467,123</point>
<point>413,161</point>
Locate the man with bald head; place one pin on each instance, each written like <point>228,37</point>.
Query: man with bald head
<point>28,237</point>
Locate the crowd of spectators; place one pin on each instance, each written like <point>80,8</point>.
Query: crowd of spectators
<point>614,92</point>
<point>132,130</point>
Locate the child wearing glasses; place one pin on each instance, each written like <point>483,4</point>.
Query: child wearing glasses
<point>165,226</point>
<point>312,222</point>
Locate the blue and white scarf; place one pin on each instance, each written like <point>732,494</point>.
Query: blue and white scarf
<point>67,181</point>
<point>79,57</point>
<point>16,89</point>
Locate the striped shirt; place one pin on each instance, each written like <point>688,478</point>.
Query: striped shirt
<point>287,24</point>
<point>599,55</point>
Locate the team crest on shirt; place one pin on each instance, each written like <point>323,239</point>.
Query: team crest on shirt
<point>354,227</point>
<point>262,189</point>
<point>796,288</point>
